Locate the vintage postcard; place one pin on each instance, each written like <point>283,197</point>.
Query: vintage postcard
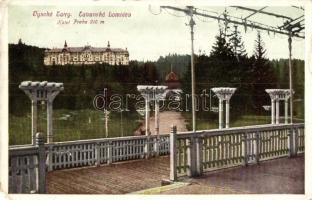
<point>146,98</point>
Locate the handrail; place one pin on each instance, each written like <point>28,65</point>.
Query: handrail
<point>105,139</point>
<point>245,129</point>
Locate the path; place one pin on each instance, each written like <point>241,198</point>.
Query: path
<point>166,119</point>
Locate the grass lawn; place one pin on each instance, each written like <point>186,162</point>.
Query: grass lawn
<point>244,120</point>
<point>89,124</point>
<point>73,125</point>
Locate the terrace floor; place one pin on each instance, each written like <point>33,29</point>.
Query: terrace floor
<point>285,175</point>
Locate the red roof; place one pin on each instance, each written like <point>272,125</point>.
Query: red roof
<point>172,77</point>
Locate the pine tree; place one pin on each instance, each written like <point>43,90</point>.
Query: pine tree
<point>221,48</point>
<point>237,45</point>
<point>259,51</point>
<point>263,76</point>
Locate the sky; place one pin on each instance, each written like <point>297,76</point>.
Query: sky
<point>147,34</point>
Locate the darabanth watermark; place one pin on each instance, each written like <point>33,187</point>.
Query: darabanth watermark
<point>171,101</point>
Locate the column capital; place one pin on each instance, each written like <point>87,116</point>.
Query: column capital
<point>279,94</point>
<point>224,93</point>
<point>152,92</point>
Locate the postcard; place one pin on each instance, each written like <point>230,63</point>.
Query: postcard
<point>146,98</point>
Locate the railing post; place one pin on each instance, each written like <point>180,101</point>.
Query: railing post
<point>191,156</point>
<point>50,157</point>
<point>244,146</point>
<point>173,153</point>
<point>41,179</point>
<point>157,145</point>
<point>199,156</point>
<point>295,141</point>
<point>110,153</point>
<point>147,147</point>
<point>295,130</point>
<point>292,140</point>
<point>257,147</point>
<point>97,154</point>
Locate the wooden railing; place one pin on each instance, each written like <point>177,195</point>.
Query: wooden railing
<point>28,164</point>
<point>104,151</point>
<point>192,153</point>
<point>27,168</point>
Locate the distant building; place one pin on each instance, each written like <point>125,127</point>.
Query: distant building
<point>172,80</point>
<point>173,83</point>
<point>86,55</point>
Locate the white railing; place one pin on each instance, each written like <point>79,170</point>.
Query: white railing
<point>192,153</point>
<point>27,168</point>
<point>104,151</point>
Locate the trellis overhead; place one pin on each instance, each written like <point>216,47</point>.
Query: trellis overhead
<point>259,18</point>
<point>292,26</point>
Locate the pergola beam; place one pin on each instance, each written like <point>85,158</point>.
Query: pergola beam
<point>246,23</point>
<point>263,12</point>
<point>255,12</point>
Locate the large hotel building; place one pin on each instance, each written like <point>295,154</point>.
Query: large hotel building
<point>86,55</point>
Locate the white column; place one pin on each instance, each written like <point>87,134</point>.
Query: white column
<point>277,111</point>
<point>227,113</point>
<point>220,113</point>
<point>147,116</point>
<point>286,111</point>
<point>49,121</point>
<point>157,118</point>
<point>156,144</point>
<point>106,123</point>
<point>33,121</point>
<point>272,111</point>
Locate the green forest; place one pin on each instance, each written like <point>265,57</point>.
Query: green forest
<point>227,65</point>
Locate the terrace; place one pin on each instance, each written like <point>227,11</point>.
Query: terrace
<point>231,160</point>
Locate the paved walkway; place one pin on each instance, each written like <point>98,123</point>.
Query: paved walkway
<point>119,178</point>
<point>166,119</point>
<point>280,176</point>
<point>277,176</point>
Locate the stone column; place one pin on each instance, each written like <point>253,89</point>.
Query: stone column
<point>220,113</point>
<point>286,111</point>
<point>227,113</point>
<point>49,121</point>
<point>33,121</point>
<point>277,111</point>
<point>147,116</point>
<point>272,111</point>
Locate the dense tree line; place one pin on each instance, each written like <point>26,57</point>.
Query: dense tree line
<point>227,65</point>
<point>81,82</point>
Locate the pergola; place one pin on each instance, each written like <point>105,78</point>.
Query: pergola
<point>224,94</point>
<point>277,95</point>
<point>41,91</point>
<point>152,93</point>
